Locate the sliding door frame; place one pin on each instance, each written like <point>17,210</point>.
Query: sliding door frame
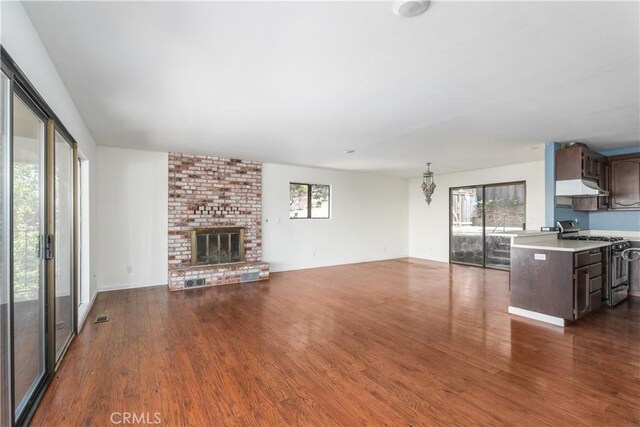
<point>484,220</point>
<point>51,141</point>
<point>18,91</point>
<point>20,84</point>
<point>8,211</point>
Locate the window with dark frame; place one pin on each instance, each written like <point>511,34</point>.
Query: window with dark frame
<point>309,201</point>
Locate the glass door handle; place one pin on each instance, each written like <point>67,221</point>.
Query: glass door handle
<point>48,250</point>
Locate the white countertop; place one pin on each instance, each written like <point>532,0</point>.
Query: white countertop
<point>561,245</point>
<point>524,233</point>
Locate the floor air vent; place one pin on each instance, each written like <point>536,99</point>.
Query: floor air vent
<point>103,318</point>
<point>250,276</point>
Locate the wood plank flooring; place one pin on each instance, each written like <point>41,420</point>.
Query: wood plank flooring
<point>399,342</point>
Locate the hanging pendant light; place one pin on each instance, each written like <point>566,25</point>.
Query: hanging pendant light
<point>428,186</point>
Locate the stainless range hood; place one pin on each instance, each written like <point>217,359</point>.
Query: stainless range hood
<point>579,188</point>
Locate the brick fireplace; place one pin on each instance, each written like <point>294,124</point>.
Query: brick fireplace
<point>216,195</point>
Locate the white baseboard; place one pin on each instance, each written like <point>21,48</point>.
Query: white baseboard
<point>634,293</point>
<point>123,287</point>
<point>557,321</point>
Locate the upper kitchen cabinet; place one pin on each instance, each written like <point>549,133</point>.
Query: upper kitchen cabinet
<point>581,174</point>
<point>577,161</point>
<point>624,182</point>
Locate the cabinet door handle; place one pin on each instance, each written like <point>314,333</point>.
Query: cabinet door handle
<point>587,289</point>
<point>586,292</point>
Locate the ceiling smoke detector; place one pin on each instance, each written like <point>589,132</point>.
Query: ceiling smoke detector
<point>410,8</point>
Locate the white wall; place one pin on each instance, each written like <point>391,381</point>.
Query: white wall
<point>429,225</point>
<point>368,219</point>
<point>22,42</point>
<point>132,218</point>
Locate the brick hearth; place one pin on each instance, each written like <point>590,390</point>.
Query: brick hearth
<point>209,191</point>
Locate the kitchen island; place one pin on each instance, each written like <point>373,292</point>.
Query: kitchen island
<point>556,281</point>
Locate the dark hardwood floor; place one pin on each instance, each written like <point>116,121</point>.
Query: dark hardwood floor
<point>400,342</point>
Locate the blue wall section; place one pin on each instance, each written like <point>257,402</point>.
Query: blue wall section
<point>618,151</point>
<point>568,214</point>
<point>549,184</point>
<point>620,220</point>
<point>605,220</point>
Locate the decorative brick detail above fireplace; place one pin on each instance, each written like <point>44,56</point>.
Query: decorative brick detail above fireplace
<point>211,192</point>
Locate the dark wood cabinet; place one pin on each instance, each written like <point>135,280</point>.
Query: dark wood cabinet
<point>624,182</point>
<point>589,204</point>
<point>567,285</point>
<point>587,278</point>
<point>542,281</point>
<point>620,175</point>
<point>579,162</point>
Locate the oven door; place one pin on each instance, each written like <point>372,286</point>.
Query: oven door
<point>619,270</point>
<point>619,293</point>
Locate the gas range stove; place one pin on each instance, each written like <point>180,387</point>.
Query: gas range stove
<point>570,231</point>
<point>617,243</point>
<point>616,288</point>
<point>594,238</point>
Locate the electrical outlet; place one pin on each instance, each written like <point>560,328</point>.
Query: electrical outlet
<point>129,269</point>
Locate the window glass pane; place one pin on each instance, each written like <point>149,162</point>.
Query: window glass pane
<point>466,225</point>
<point>298,201</point>
<point>504,211</point>
<point>320,201</point>
<point>505,208</point>
<point>28,269</point>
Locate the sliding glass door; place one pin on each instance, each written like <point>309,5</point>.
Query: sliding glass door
<point>37,245</point>
<point>482,219</point>
<point>28,255</point>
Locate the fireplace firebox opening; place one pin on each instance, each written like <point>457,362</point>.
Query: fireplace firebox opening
<point>210,246</point>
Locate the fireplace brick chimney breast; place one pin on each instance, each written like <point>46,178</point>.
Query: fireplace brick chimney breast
<point>207,191</point>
